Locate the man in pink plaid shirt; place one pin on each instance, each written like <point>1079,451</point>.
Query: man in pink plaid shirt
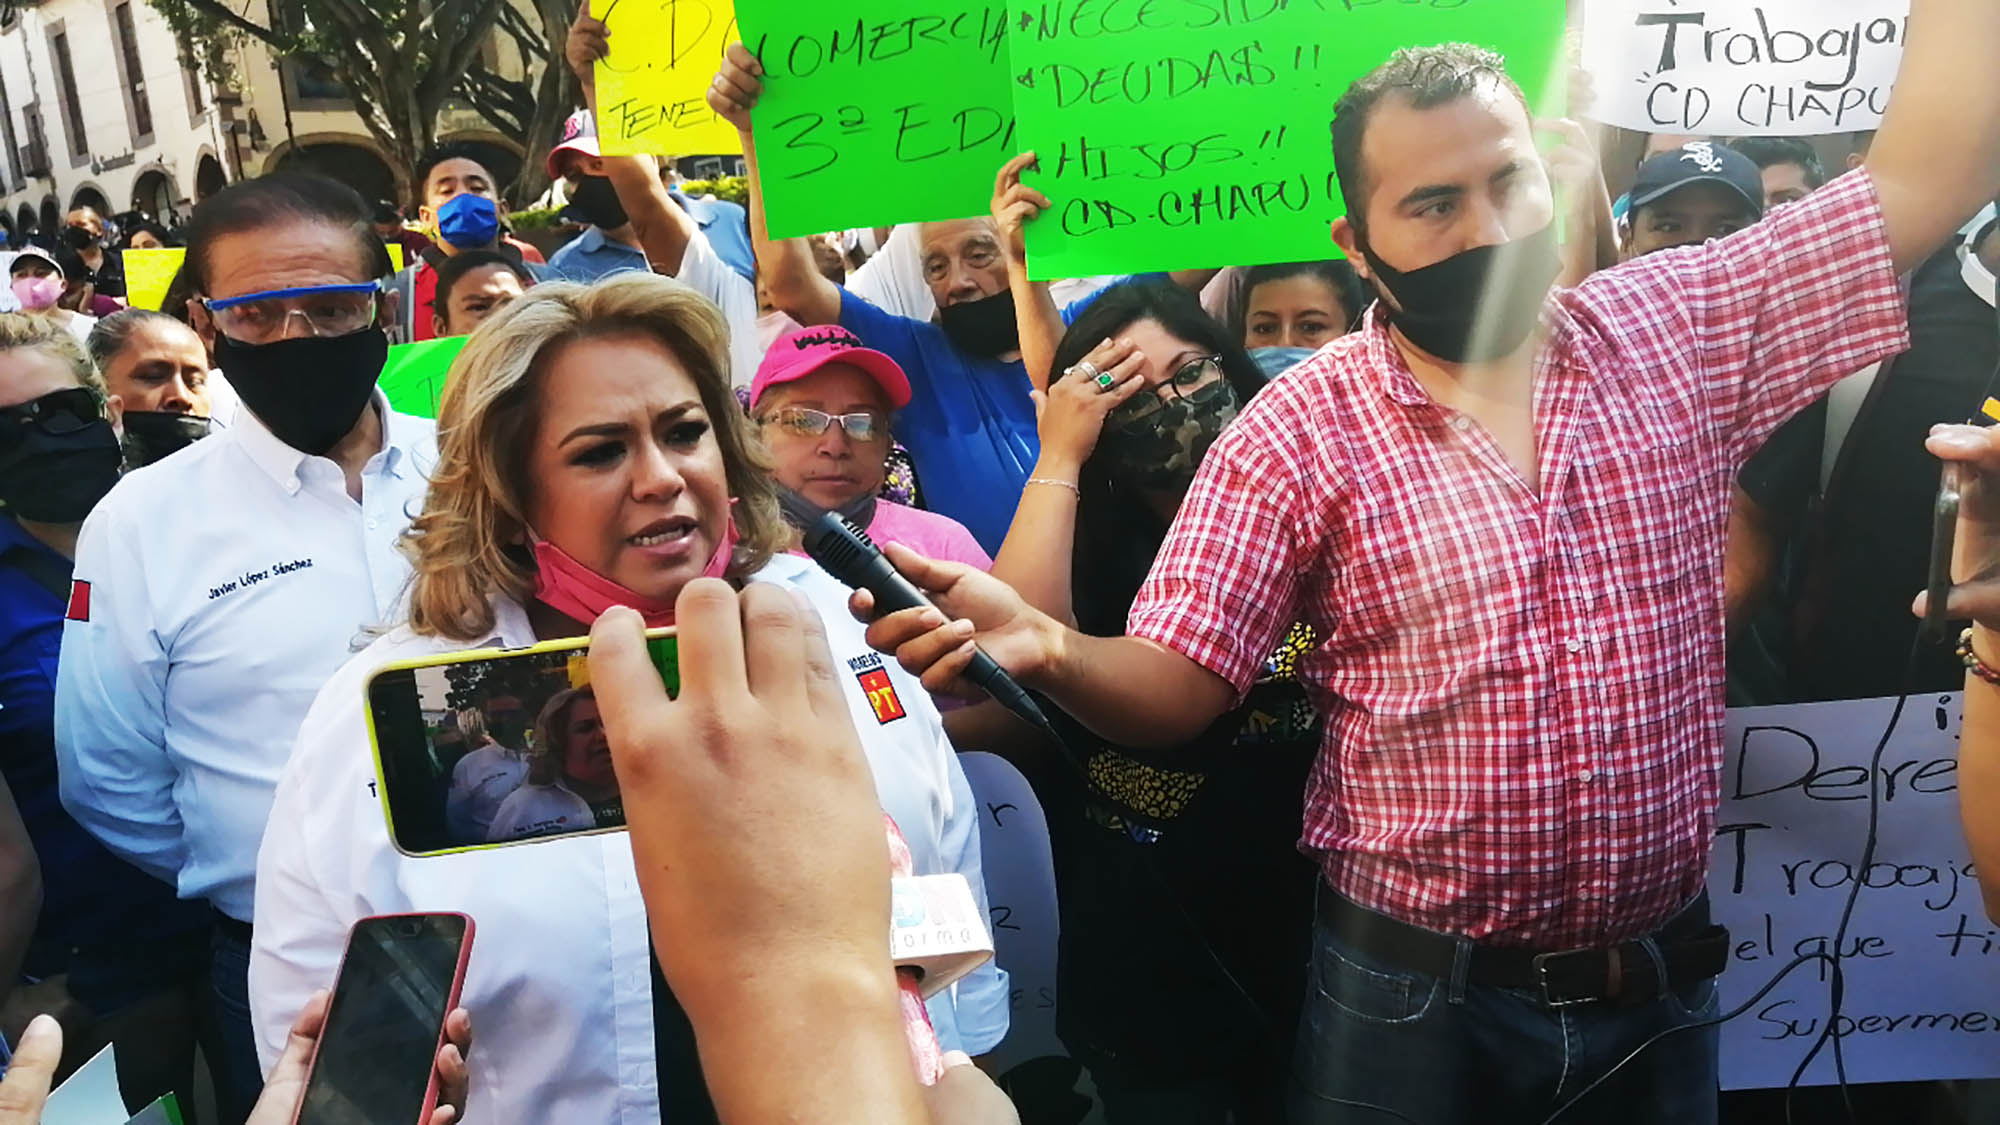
<point>1503,508</point>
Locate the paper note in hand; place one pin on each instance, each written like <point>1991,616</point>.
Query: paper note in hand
<point>652,90</point>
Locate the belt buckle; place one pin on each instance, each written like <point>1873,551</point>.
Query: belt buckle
<point>1541,963</point>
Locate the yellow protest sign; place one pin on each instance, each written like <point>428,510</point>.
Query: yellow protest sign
<point>147,275</point>
<point>652,90</point>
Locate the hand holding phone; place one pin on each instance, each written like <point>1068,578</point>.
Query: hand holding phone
<point>750,788</point>
<point>389,1045</point>
<point>1965,559</point>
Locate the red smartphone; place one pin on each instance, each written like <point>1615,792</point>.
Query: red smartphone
<point>376,1060</point>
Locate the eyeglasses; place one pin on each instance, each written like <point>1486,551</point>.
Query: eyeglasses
<point>1186,378</point>
<point>329,310</point>
<point>861,426</point>
<point>55,414</point>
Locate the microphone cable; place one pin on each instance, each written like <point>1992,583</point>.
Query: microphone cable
<point>1837,979</point>
<point>850,556</point>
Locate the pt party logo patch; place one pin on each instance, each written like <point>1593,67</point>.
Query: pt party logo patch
<point>881,692</point>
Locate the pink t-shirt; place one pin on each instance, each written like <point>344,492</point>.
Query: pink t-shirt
<point>927,533</point>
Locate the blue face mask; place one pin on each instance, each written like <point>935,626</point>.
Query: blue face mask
<point>1274,362</point>
<point>468,222</point>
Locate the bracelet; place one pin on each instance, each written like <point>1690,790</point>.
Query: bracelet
<point>1972,662</point>
<point>1053,482</point>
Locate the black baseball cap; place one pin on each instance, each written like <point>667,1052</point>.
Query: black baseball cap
<point>1698,162</point>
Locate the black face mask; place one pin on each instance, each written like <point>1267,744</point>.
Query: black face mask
<point>1476,306</point>
<point>57,477</point>
<point>307,390</point>
<point>596,203</point>
<point>803,513</point>
<point>983,327</point>
<point>152,434</point>
<point>79,238</point>
<point>1161,448</point>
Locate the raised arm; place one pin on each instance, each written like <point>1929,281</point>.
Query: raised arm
<point>1015,205</point>
<point>663,226</point>
<point>1035,559</point>
<point>1194,281</point>
<point>790,278</point>
<point>1936,160</point>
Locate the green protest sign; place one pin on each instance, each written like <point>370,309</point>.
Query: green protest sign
<point>413,377</point>
<point>878,111</point>
<point>1178,134</point>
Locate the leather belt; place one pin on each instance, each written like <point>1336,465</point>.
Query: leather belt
<point>1690,947</point>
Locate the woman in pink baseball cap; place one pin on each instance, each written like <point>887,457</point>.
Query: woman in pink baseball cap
<point>822,404</point>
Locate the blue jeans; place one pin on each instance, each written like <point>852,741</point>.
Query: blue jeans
<point>1378,1044</point>
<point>238,1078</point>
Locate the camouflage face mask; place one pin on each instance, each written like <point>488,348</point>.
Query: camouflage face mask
<point>1161,448</point>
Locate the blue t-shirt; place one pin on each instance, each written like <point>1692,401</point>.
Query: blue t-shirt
<point>89,896</point>
<point>590,255</point>
<point>727,227</point>
<point>970,425</point>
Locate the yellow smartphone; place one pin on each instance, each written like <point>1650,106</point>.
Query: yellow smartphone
<point>492,747</point>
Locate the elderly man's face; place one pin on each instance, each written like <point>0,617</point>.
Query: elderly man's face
<point>963,261</point>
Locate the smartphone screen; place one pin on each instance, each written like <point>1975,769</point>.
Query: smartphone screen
<point>379,1045</point>
<point>497,749</point>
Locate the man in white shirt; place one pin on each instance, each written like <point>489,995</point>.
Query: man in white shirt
<point>488,774</point>
<point>217,590</point>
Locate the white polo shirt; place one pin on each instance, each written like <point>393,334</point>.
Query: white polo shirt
<point>216,590</point>
<point>559,983</point>
<point>704,271</point>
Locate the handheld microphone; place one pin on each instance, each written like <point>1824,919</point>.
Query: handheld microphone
<point>846,552</point>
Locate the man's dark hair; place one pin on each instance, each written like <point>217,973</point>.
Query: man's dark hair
<point>1339,276</point>
<point>155,229</point>
<point>1766,152</point>
<point>464,262</point>
<point>454,150</point>
<point>110,334</point>
<point>276,199</point>
<point>387,212</point>
<point>1429,77</point>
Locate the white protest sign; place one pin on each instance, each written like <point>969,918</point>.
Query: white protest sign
<point>1921,962</point>
<point>1021,896</point>
<point>1736,68</point>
